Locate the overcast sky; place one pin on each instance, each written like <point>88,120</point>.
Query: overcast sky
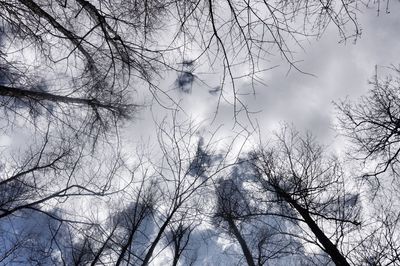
<point>340,70</point>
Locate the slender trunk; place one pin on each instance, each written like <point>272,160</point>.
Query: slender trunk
<point>125,247</point>
<point>176,257</point>
<point>177,237</point>
<point>149,253</point>
<point>246,251</point>
<point>45,96</point>
<point>329,247</point>
<point>98,254</point>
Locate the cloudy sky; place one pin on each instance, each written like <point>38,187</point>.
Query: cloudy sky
<point>339,70</point>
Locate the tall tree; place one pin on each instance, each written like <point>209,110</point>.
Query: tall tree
<point>72,71</point>
<point>231,206</point>
<point>373,124</point>
<point>297,176</point>
<point>261,233</point>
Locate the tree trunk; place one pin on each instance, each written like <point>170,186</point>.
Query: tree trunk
<point>329,247</point>
<point>125,247</point>
<point>45,96</point>
<point>176,257</point>
<point>149,253</point>
<point>246,251</point>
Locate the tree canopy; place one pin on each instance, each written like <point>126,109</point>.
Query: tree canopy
<point>78,188</point>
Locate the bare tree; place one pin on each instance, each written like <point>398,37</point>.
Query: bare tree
<point>97,48</point>
<point>136,224</point>
<point>262,234</point>
<point>69,74</point>
<point>45,173</point>
<point>231,206</point>
<point>162,202</point>
<point>179,237</point>
<point>379,239</point>
<point>91,57</point>
<point>47,181</point>
<point>309,187</point>
<point>182,176</point>
<point>373,123</point>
